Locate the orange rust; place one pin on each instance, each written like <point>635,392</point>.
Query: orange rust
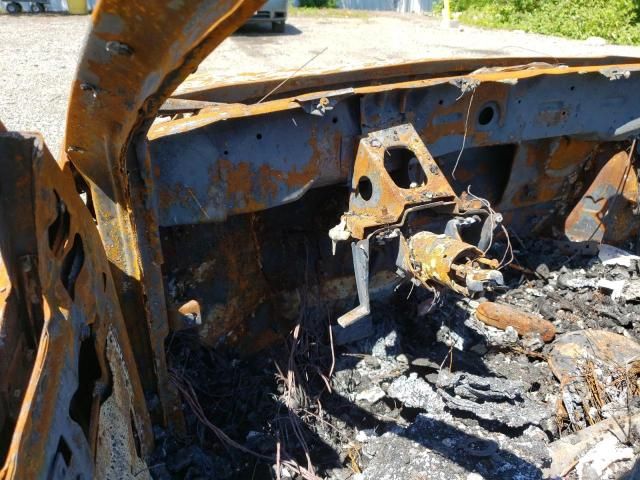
<point>502,316</point>
<point>466,112</point>
<point>254,85</point>
<point>555,162</point>
<point>388,201</point>
<point>116,94</point>
<point>248,289</point>
<point>498,80</point>
<point>94,301</point>
<point>605,211</point>
<point>434,258</point>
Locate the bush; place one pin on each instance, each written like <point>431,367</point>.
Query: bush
<point>615,20</point>
<point>318,3</point>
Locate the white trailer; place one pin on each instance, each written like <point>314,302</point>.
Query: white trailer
<point>39,6</point>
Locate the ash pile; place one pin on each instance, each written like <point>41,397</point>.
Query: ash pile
<point>541,380</point>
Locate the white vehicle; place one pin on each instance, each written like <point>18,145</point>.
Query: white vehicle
<point>274,11</point>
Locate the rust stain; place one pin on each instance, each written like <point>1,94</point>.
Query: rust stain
<point>502,316</point>
<point>605,212</point>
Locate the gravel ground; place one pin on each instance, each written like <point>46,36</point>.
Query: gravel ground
<point>38,68</point>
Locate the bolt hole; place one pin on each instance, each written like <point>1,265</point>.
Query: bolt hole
<point>440,102</point>
<point>226,152</point>
<point>404,168</point>
<point>259,136</point>
<point>334,120</point>
<point>572,88</point>
<point>486,115</point>
<point>365,188</point>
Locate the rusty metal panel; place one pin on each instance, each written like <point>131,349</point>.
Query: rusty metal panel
<point>84,390</point>
<point>134,56</point>
<point>607,212</point>
<point>200,163</point>
<point>250,88</point>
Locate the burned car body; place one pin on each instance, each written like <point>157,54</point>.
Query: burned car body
<point>231,208</point>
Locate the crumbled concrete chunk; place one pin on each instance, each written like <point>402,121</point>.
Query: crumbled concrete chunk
<point>414,392</point>
<point>602,461</point>
<point>371,395</point>
<point>491,399</point>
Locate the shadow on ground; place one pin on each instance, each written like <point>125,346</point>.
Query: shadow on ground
<point>264,29</point>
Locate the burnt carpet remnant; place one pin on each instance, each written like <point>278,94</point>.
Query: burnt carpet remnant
<point>431,392</point>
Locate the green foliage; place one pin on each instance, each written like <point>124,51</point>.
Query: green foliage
<point>617,21</point>
<point>318,3</point>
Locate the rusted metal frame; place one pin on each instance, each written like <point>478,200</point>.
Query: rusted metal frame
<point>319,150</point>
<point>252,273</point>
<point>251,88</point>
<point>81,311</point>
<point>509,77</point>
<point>135,55</point>
<point>386,201</point>
<point>21,313</point>
<point>564,170</point>
<point>607,210</point>
<point>393,173</point>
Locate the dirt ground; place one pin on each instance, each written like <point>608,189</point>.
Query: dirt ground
<point>40,54</point>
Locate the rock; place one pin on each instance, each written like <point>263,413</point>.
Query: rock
<point>543,271</point>
<point>365,435</point>
<point>372,362</point>
<point>504,316</point>
<point>631,290</point>
<point>339,474</point>
<point>576,280</point>
<point>481,389</point>
<point>450,337</point>
<point>389,345</point>
<point>424,362</point>
<point>606,347</point>
<point>533,342</point>
<point>414,392</point>
<point>402,358</point>
<point>491,398</point>
<point>571,449</point>
<point>371,395</point>
<point>511,335</point>
<point>599,462</point>
<point>613,287</point>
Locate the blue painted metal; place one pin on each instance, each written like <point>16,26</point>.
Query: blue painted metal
<point>286,152</point>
